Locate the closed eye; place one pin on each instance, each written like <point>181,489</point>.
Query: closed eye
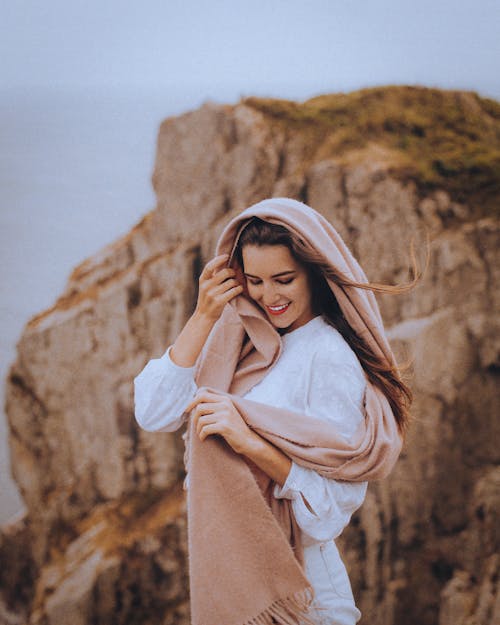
<point>256,282</point>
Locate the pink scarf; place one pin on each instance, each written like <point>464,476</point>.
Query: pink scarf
<point>245,555</point>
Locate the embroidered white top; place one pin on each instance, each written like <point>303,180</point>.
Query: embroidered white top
<point>316,374</point>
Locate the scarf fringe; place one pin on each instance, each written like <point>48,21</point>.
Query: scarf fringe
<point>292,610</point>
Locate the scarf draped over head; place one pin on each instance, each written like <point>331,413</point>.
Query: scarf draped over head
<point>246,563</point>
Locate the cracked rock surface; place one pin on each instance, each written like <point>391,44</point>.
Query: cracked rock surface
<point>104,537</point>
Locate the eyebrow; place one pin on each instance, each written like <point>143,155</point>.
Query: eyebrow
<point>276,275</point>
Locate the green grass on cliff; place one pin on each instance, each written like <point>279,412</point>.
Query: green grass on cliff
<point>445,139</point>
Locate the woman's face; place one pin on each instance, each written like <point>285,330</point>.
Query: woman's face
<point>278,284</point>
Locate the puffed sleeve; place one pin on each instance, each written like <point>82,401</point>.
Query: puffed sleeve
<point>323,507</point>
<point>162,390</point>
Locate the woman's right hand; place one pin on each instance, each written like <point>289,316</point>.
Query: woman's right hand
<point>217,286</point>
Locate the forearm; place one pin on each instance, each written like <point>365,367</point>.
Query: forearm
<point>267,457</point>
<point>189,343</point>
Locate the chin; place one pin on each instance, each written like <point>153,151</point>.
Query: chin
<point>282,324</point>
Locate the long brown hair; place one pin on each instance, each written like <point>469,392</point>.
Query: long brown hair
<point>387,377</point>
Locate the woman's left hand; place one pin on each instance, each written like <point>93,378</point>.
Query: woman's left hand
<point>216,414</point>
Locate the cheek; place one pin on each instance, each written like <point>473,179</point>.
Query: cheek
<point>253,291</point>
<point>301,292</point>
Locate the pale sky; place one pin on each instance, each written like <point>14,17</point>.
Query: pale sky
<point>224,48</point>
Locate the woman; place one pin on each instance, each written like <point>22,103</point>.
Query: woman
<point>275,379</point>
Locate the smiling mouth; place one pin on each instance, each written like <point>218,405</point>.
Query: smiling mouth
<point>278,310</point>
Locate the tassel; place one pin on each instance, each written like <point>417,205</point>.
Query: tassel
<point>292,610</point>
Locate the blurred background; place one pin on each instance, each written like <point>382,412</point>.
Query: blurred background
<point>85,85</point>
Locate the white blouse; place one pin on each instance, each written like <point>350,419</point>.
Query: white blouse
<point>316,374</point>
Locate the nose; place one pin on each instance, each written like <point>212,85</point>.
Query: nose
<point>270,295</point>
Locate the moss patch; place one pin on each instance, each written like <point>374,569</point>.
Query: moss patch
<point>445,139</point>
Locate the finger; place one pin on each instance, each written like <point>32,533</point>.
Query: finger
<point>203,421</point>
<point>204,416</point>
<point>201,409</point>
<point>216,262</point>
<point>196,399</point>
<point>207,407</point>
<point>215,405</point>
<point>202,396</point>
<point>192,404</point>
<point>220,289</point>
<point>213,265</point>
<point>223,275</point>
<point>213,428</point>
<point>224,298</point>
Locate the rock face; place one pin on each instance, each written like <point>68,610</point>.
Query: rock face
<point>104,539</point>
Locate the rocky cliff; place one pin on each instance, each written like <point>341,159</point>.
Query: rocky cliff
<point>104,538</point>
